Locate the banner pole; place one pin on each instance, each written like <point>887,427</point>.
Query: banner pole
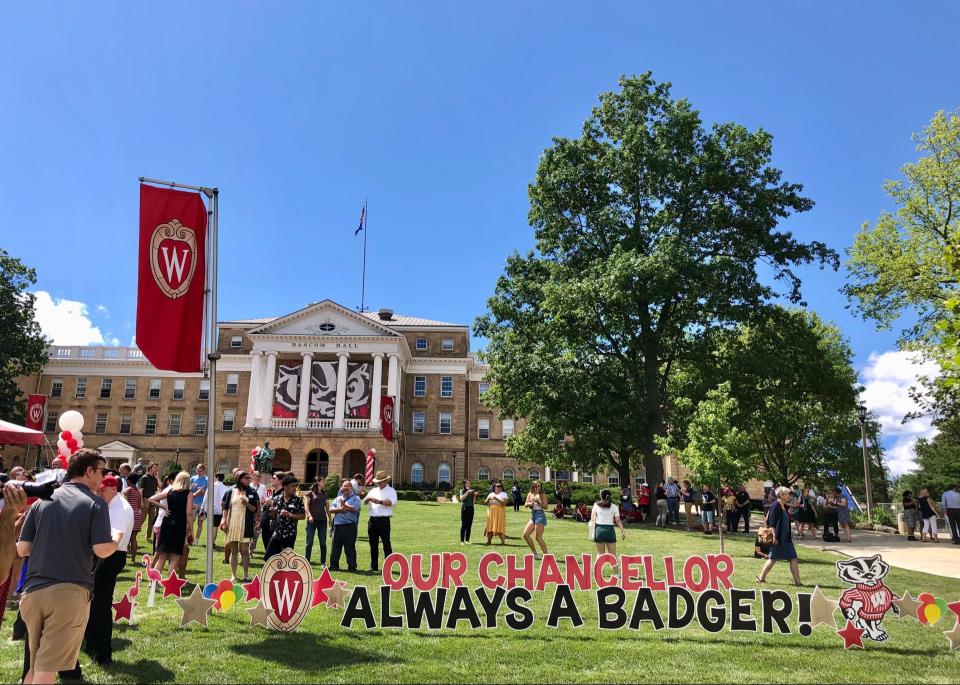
<point>212,356</point>
<point>363,281</point>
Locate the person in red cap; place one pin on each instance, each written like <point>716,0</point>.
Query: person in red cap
<point>99,632</point>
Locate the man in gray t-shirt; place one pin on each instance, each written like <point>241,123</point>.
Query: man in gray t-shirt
<point>62,536</point>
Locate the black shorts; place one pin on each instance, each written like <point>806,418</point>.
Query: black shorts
<point>217,518</point>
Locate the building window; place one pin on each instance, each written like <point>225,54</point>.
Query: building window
<point>508,427</point>
<point>483,473</point>
<point>443,474</point>
<point>87,352</point>
<point>130,389</point>
<point>561,475</point>
<point>150,425</point>
<point>533,474</point>
<point>446,386</point>
<point>483,429</point>
<point>229,416</point>
<point>126,422</point>
<point>223,466</point>
<point>56,387</point>
<point>446,422</point>
<point>173,424</point>
<point>80,391</point>
<point>484,387</point>
<point>204,389</point>
<point>508,474</point>
<point>419,421</point>
<point>106,385</point>
<point>420,386</point>
<point>178,386</point>
<point>101,425</point>
<point>421,343</point>
<point>200,425</point>
<point>233,380</point>
<point>155,384</point>
<point>613,479</point>
<point>111,353</point>
<point>447,344</point>
<point>416,473</point>
<point>51,425</point>
<point>586,477</point>
<point>236,342</point>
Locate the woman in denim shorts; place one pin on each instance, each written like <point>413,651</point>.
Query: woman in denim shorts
<point>537,503</point>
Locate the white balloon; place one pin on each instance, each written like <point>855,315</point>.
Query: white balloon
<point>79,444</point>
<point>62,445</point>
<point>71,420</point>
<point>78,436</point>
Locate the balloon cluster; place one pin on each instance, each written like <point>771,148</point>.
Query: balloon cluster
<point>225,593</point>
<point>71,439</point>
<point>932,608</point>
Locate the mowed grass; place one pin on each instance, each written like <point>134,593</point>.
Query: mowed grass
<point>158,650</point>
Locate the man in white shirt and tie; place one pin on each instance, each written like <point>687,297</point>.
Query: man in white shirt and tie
<point>381,500</point>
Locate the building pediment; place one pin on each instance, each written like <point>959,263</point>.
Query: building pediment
<point>323,319</point>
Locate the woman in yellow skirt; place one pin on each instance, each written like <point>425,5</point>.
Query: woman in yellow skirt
<point>497,514</point>
<point>239,518</point>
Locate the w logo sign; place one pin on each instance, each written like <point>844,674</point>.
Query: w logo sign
<point>288,584</point>
<point>173,257</point>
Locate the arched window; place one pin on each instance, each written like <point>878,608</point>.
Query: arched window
<point>443,473</point>
<point>223,466</point>
<point>508,474</point>
<point>533,474</point>
<point>416,473</point>
<point>483,473</point>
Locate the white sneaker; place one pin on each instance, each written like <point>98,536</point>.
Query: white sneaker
<point>467,542</point>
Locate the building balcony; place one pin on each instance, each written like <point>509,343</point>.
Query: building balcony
<point>350,425</point>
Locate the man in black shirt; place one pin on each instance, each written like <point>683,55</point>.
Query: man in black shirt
<point>743,507</point>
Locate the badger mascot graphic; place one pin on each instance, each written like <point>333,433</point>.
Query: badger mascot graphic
<point>865,604</point>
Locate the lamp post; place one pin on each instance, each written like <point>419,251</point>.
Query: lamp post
<point>862,417</point>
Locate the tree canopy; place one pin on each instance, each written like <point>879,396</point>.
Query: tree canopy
<point>650,228</point>
<point>23,349</point>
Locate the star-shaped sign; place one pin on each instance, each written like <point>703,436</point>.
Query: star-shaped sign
<point>196,607</point>
<point>259,614</point>
<point>252,589</point>
<point>852,636</point>
<point>173,585</point>
<point>954,636</point>
<point>124,609</point>
<point>320,587</point>
<point>822,610</point>
<point>955,608</point>
<point>908,606</point>
<point>337,595</point>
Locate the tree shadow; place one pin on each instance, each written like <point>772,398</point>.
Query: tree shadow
<point>143,671</point>
<point>308,652</point>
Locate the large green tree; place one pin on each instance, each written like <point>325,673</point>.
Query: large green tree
<point>650,228</point>
<point>23,349</point>
<point>937,460</point>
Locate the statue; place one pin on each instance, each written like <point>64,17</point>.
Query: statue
<point>264,458</point>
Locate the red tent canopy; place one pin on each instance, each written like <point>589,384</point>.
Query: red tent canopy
<point>12,434</point>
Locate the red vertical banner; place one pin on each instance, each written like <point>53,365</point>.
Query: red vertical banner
<point>172,278</point>
<point>36,405</point>
<point>386,417</point>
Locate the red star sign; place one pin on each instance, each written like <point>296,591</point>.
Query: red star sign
<point>852,636</point>
<point>955,608</point>
<point>252,589</point>
<point>320,586</point>
<point>124,609</point>
<point>173,585</point>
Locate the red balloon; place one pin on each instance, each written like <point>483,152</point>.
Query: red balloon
<point>72,445</point>
<point>66,435</point>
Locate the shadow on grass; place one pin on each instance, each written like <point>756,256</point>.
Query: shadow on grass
<point>143,671</point>
<point>775,644</point>
<point>307,652</point>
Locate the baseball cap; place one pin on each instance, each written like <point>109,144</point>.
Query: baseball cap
<point>109,482</point>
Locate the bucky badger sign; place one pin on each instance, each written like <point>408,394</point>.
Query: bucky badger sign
<point>866,603</point>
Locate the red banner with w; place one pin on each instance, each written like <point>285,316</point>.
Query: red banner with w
<point>172,266</point>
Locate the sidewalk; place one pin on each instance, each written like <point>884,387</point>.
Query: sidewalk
<point>941,559</point>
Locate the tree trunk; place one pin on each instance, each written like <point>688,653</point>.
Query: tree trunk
<point>652,462</point>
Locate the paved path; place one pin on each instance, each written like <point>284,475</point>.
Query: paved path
<point>942,559</point>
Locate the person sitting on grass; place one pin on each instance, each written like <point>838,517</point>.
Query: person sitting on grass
<point>761,550</point>
<point>558,510</point>
<point>582,513</point>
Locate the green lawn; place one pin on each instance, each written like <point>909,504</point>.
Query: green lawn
<point>157,650</point>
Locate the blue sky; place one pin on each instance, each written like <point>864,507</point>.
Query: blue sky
<point>437,112</point>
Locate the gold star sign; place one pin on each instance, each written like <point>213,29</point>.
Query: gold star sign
<point>822,610</point>
<point>259,614</point>
<point>337,595</point>
<point>908,606</point>
<point>196,607</point>
<point>954,636</point>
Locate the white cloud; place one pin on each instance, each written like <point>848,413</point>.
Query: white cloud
<point>887,379</point>
<point>67,322</point>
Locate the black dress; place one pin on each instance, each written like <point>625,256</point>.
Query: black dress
<point>173,530</point>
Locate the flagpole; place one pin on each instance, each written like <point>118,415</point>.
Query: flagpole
<point>363,281</point>
<point>210,346</point>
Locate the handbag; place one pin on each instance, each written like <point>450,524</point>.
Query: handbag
<point>765,532</point>
<point>591,530</point>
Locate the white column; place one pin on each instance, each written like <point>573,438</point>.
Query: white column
<point>304,390</point>
<point>375,398</point>
<point>575,477</point>
<point>546,474</point>
<point>268,385</point>
<point>341,389</point>
<point>393,375</point>
<point>253,392</point>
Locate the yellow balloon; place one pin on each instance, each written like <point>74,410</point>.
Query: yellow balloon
<point>933,613</point>
<point>227,600</point>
